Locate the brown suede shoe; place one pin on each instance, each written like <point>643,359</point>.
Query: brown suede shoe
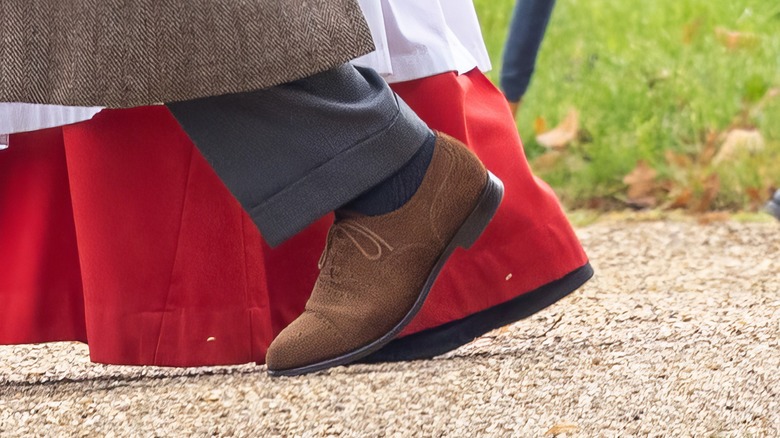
<point>376,271</point>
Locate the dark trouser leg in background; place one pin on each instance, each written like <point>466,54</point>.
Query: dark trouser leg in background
<point>293,153</point>
<point>526,33</point>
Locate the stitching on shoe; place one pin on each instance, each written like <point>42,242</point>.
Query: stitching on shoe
<point>345,228</point>
<point>435,211</point>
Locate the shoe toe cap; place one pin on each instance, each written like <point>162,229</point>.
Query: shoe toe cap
<point>307,341</point>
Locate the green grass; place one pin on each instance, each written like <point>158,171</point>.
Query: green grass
<point>648,77</point>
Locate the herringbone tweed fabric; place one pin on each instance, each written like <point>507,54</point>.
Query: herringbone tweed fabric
<point>124,53</point>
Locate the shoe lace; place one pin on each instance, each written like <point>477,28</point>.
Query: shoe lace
<point>352,231</point>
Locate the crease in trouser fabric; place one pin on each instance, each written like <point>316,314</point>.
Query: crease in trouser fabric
<point>292,153</point>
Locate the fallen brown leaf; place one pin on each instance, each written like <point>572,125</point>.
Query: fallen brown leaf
<point>681,199</point>
<point>547,161</point>
<point>563,134</point>
<point>754,194</point>
<point>691,30</point>
<point>711,186</point>
<point>540,125</point>
<point>562,428</point>
<point>756,197</point>
<point>641,181</point>
<point>678,160</point>
<point>734,40</point>
<point>503,330</point>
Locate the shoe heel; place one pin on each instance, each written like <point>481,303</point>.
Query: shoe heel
<point>483,213</point>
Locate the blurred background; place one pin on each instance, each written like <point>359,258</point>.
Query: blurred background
<point>664,104</point>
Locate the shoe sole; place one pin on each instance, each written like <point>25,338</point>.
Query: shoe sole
<point>468,233</point>
<point>447,337</point>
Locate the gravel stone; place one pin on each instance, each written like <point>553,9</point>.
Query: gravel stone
<point>677,335</point>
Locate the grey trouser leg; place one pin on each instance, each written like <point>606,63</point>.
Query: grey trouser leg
<point>292,153</point>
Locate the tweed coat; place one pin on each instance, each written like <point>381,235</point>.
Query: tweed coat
<point>124,53</point>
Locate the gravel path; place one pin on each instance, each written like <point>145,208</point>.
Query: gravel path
<point>677,335</point>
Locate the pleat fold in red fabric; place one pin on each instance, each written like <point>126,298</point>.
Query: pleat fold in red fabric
<point>40,282</point>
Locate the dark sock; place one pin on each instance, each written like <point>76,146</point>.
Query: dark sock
<point>393,192</point>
